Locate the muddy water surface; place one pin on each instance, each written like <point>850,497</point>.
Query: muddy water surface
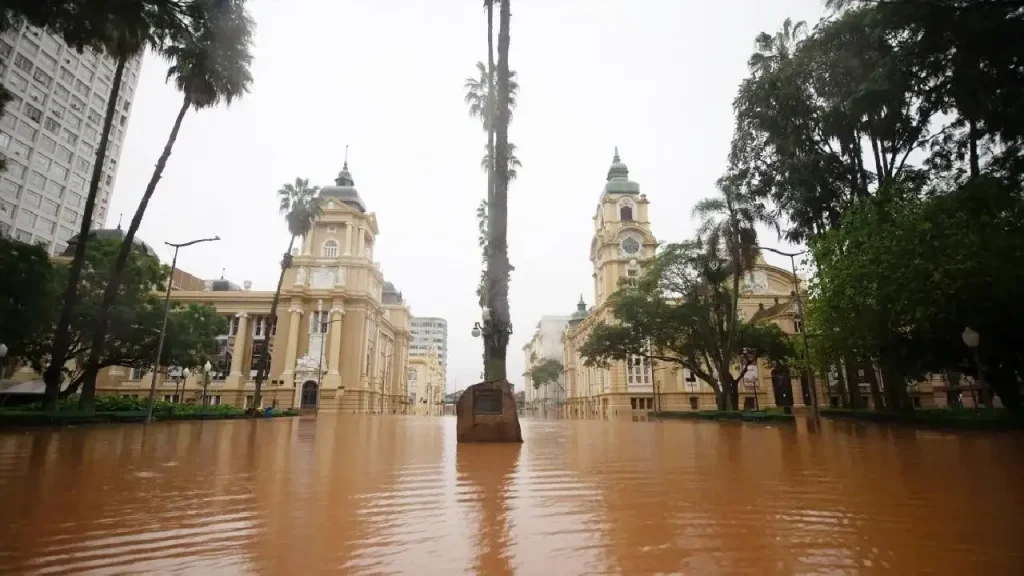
<point>373,495</point>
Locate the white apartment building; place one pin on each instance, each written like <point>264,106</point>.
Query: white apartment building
<point>546,344</point>
<point>427,334</point>
<point>49,134</point>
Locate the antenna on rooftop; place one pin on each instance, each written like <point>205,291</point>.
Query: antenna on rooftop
<point>222,273</point>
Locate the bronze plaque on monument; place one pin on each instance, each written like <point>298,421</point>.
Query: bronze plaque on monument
<point>487,401</point>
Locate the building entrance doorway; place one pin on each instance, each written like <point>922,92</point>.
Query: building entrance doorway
<point>309,394</point>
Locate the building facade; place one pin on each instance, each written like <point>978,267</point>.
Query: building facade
<point>49,133</point>
<point>622,241</point>
<point>545,344</point>
<point>342,338</point>
<point>430,334</point>
<point>425,382</point>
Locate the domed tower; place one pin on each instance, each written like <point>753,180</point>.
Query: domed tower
<point>622,232</point>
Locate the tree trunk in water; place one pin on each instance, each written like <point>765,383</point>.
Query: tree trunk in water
<point>844,394</point>
<point>498,266</point>
<point>261,373</point>
<point>853,384</point>
<point>876,392</point>
<point>54,373</point>
<point>87,401</point>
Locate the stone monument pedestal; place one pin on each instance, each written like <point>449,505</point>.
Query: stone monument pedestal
<point>486,412</point>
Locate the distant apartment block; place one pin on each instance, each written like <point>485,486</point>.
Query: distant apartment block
<point>49,134</point>
<point>430,333</point>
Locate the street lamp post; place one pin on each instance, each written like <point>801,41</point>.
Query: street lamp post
<point>487,328</point>
<point>320,361</point>
<point>972,339</point>
<point>185,373</point>
<point>206,381</point>
<point>163,328</point>
<point>803,329</point>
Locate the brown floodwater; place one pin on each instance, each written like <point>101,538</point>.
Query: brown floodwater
<point>382,495</point>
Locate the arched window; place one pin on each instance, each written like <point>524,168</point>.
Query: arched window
<point>626,211</point>
<point>330,249</point>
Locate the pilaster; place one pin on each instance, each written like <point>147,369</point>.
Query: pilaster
<point>333,377</point>
<point>288,376</point>
<point>234,378</point>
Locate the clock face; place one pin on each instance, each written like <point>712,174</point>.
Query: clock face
<point>631,245</point>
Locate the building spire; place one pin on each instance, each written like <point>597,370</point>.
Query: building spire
<point>616,158</point>
<point>345,177</point>
<point>345,167</point>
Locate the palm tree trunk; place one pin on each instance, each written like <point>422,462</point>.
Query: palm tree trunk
<point>490,151</point>
<point>54,373</point>
<point>261,373</point>
<point>498,266</point>
<point>87,400</point>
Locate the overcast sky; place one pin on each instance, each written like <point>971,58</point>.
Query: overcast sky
<point>654,77</point>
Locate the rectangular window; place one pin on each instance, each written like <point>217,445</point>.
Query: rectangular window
<point>75,200</point>
<point>30,46</point>
<point>23,236</point>
<point>7,209</point>
<point>54,189</point>
<point>67,76</point>
<point>213,400</point>
<point>87,149</point>
<point>69,137</point>
<point>49,207</point>
<point>69,216</point>
<point>37,180</point>
<point>64,155</point>
<point>77,182</point>
<point>90,134</point>
<point>172,398</point>
<point>42,77</point>
<point>637,370</point>
<point>5,49</point>
<point>47,144</point>
<point>33,200</point>
<point>8,121</point>
<point>82,88</point>
<point>48,63</point>
<point>15,169</point>
<point>74,122</point>
<point>71,61</point>
<point>57,110</point>
<point>23,63</point>
<point>36,95</point>
<point>51,125</point>
<point>32,112</point>
<point>318,321</point>
<point>65,234</point>
<point>45,225</point>
<point>9,188</point>
<point>18,81</point>
<point>27,132</point>
<point>61,93</point>
<point>42,162</point>
<point>77,104</point>
<point>233,326</point>
<point>51,45</point>
<point>82,165</point>
<point>94,117</point>
<point>18,149</point>
<point>26,218</point>
<point>98,101</point>
<point>60,172</point>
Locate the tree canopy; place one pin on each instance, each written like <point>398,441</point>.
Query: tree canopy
<point>548,371</point>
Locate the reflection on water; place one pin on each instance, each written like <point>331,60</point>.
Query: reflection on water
<point>398,495</point>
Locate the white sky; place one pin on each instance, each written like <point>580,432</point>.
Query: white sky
<point>654,77</point>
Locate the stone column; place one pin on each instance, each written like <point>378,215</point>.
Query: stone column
<point>234,379</point>
<point>333,376</point>
<point>360,238</point>
<point>288,376</point>
<point>347,237</point>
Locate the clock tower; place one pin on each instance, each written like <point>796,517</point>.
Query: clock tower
<point>622,239</point>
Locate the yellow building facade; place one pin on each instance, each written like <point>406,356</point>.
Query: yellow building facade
<point>425,382</point>
<point>621,243</point>
<point>342,337</point>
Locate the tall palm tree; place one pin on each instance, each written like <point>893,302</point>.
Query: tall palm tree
<point>478,95</point>
<point>209,66</point>
<point>513,162</point>
<point>129,32</point>
<point>773,50</point>
<point>729,227</point>
<point>300,205</point>
<point>498,265</point>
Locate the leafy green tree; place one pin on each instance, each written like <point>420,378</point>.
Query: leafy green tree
<point>209,66</point>
<point>300,205</point>
<point>135,319</point>
<point>26,296</point>
<point>547,372</point>
<point>680,313</point>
